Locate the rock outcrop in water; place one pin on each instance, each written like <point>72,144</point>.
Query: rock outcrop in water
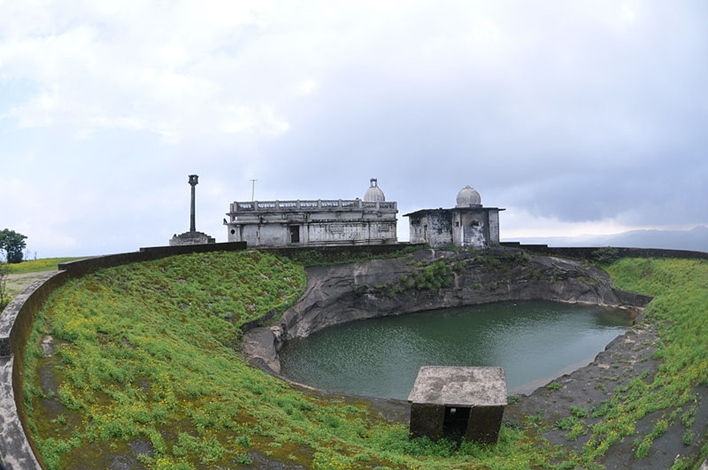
<point>431,280</point>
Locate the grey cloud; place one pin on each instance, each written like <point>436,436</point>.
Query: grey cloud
<point>587,123</point>
<point>564,109</point>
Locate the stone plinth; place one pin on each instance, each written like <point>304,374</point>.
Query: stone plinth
<point>458,403</point>
<point>191,238</point>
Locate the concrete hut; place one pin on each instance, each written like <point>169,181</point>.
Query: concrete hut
<point>370,221</point>
<point>467,224</point>
<point>458,403</point>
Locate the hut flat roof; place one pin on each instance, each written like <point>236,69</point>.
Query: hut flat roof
<point>459,386</point>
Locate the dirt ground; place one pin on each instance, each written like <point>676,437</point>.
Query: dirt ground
<point>16,283</point>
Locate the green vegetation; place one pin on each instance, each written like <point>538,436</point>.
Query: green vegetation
<point>669,398</point>
<point>12,243</point>
<point>606,255</point>
<point>146,356</point>
<point>327,257</point>
<point>146,351</point>
<point>433,276</point>
<point>4,293</point>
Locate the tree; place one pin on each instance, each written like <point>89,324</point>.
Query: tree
<point>13,244</point>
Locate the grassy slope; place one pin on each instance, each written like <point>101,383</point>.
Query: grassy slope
<point>680,308</point>
<point>147,356</point>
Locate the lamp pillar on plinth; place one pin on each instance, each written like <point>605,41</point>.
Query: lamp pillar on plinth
<point>193,182</point>
<point>192,237</point>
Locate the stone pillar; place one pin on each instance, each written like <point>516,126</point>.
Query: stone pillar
<point>193,181</point>
<point>192,237</point>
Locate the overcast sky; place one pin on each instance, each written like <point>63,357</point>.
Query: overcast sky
<point>579,117</point>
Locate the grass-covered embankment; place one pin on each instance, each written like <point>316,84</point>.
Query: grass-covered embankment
<point>642,402</point>
<point>145,364</point>
<point>680,311</point>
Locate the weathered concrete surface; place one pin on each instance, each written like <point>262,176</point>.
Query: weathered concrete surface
<point>459,386</point>
<point>344,293</point>
<point>16,451</point>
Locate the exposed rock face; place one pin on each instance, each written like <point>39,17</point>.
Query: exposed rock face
<point>430,280</point>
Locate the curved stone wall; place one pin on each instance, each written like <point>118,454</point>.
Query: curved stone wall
<point>591,252</point>
<point>15,326</point>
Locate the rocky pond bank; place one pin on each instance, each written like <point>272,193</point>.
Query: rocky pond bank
<point>590,388</point>
<point>431,280</point>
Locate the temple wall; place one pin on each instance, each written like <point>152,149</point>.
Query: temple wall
<point>434,228</point>
<point>276,229</point>
<point>464,227</point>
<point>470,228</point>
<point>493,227</point>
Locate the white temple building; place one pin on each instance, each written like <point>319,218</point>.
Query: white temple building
<point>467,224</point>
<point>315,222</point>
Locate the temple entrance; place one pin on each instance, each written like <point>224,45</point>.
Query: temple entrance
<point>472,235</point>
<point>294,233</point>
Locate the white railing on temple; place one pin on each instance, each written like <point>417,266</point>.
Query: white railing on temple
<point>310,206</point>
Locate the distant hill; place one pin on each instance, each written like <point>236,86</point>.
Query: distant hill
<point>695,239</point>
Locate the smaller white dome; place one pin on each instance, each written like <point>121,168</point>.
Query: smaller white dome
<point>374,193</point>
<point>468,197</point>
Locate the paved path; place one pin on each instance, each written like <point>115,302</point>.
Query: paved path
<point>16,283</point>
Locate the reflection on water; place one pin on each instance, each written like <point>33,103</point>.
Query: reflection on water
<point>533,341</point>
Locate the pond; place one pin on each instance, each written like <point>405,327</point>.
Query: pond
<point>534,341</point>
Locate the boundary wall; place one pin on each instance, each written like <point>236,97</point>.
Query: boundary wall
<point>18,452</point>
<point>591,253</point>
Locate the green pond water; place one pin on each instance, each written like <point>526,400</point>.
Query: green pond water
<point>534,341</point>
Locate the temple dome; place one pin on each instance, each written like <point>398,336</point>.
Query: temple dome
<point>374,193</point>
<point>468,197</point>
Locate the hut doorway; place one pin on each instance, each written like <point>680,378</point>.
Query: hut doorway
<point>455,422</point>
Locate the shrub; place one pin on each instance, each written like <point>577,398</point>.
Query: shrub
<point>554,386</point>
<point>605,255</point>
